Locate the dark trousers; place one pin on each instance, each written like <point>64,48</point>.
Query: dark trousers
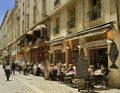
<point>53,75</point>
<point>25,72</point>
<point>7,72</point>
<point>62,77</point>
<point>13,71</point>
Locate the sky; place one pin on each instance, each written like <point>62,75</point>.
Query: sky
<point>4,6</point>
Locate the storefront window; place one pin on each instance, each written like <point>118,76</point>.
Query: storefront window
<point>99,56</point>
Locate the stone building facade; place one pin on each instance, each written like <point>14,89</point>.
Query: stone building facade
<point>68,30</point>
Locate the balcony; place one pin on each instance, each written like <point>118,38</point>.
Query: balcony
<point>56,30</point>
<point>94,14</point>
<point>56,2</point>
<point>71,24</point>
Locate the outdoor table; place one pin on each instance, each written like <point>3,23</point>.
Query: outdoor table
<point>97,78</point>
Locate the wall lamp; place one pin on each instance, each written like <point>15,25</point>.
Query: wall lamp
<point>67,47</point>
<point>109,41</point>
<point>79,46</point>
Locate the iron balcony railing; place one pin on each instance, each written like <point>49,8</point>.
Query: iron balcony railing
<point>56,30</point>
<point>94,14</point>
<point>56,2</point>
<point>71,23</point>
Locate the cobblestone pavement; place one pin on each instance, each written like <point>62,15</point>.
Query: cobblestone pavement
<point>20,83</point>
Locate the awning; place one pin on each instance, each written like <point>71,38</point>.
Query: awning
<point>56,39</point>
<point>30,32</point>
<point>4,53</point>
<point>90,32</point>
<point>21,41</point>
<point>39,27</point>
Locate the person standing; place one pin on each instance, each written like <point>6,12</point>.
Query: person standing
<point>7,69</point>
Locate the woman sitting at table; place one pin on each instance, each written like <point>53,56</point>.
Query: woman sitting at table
<point>106,73</point>
<point>70,70</point>
<point>91,71</point>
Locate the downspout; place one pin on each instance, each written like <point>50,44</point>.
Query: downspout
<point>117,10</point>
<point>83,14</point>
<point>118,20</point>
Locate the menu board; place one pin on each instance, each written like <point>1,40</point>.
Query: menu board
<point>81,69</point>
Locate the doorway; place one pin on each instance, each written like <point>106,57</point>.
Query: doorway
<point>99,56</point>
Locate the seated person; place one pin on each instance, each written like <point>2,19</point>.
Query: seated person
<point>90,75</point>
<point>91,71</point>
<point>105,72</point>
<point>53,72</point>
<point>70,70</point>
<point>62,71</point>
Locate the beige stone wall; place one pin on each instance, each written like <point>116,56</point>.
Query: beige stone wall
<point>109,13</point>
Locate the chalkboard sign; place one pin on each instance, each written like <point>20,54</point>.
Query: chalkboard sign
<point>81,69</point>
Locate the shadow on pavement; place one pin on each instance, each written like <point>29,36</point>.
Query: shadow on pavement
<point>9,80</point>
<point>88,92</point>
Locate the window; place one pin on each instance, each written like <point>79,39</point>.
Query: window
<point>34,14</point>
<point>58,56</point>
<point>18,30</point>
<point>28,21</point>
<point>44,32</point>
<point>23,9</point>
<point>96,3</point>
<point>28,2</point>
<point>43,8</point>
<point>56,2</point>
<point>57,25</point>
<point>95,10</point>
<point>22,26</point>
<point>71,18</point>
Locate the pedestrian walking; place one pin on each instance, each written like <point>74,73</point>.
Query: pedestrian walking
<point>19,65</point>
<point>13,66</point>
<point>7,69</point>
<point>25,68</point>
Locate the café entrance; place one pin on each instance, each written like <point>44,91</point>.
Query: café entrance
<point>99,56</point>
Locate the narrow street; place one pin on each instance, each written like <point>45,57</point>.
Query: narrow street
<point>31,84</point>
<point>34,84</point>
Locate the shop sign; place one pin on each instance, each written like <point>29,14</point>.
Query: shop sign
<point>113,55</point>
<point>57,43</point>
<point>95,43</point>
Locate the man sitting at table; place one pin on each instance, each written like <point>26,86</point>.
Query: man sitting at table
<point>106,73</point>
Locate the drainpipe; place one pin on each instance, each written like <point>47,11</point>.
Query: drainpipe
<point>117,10</point>
<point>83,13</point>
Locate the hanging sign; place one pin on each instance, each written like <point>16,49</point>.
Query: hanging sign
<point>113,55</point>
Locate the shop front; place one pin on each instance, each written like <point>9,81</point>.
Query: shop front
<point>39,52</point>
<point>91,44</point>
<point>97,46</point>
<point>38,40</point>
<point>72,51</point>
<point>57,52</point>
